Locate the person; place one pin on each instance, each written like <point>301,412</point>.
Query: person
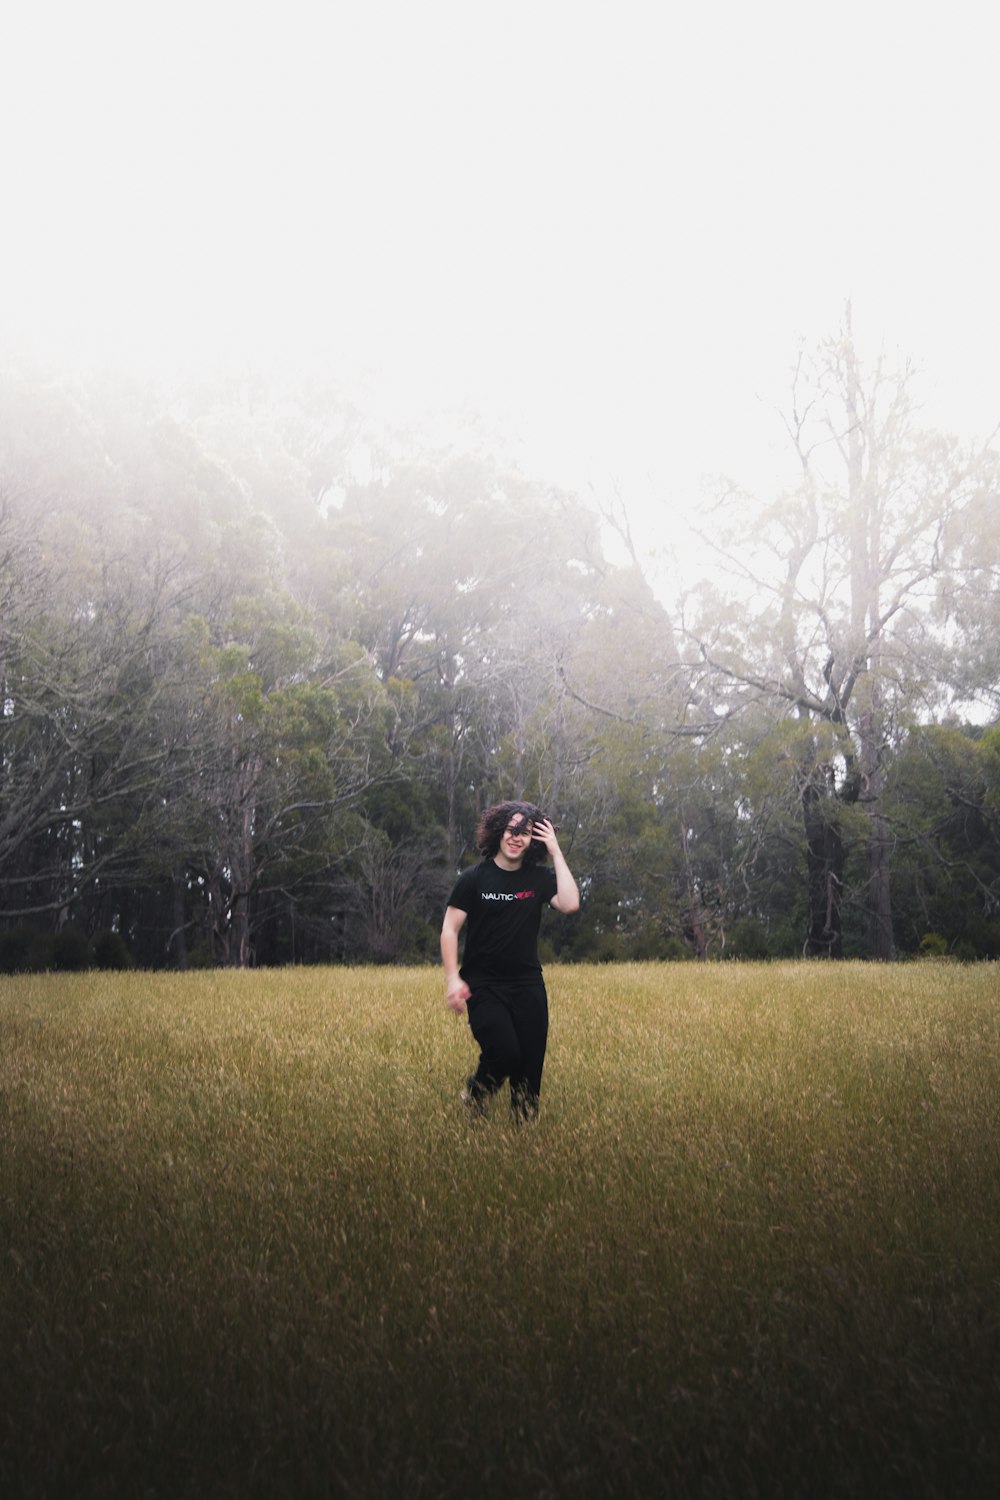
<point>499,986</point>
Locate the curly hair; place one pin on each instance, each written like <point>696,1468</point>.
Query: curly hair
<point>493,822</point>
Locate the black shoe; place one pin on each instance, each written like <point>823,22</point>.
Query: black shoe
<point>474,1097</point>
<point>523,1106</point>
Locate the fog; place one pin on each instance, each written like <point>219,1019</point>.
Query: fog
<point>460,274</point>
<point>606,229</point>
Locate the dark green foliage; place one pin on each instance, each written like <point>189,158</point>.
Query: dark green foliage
<point>944,796</point>
<point>16,946</point>
<point>260,727</point>
<point>111,951</point>
<point>71,952</point>
<point>748,939</point>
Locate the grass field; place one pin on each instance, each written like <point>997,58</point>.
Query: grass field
<point>252,1246</point>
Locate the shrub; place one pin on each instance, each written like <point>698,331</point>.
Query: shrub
<point>70,950</point>
<point>673,949</point>
<point>983,935</point>
<point>15,949</point>
<point>933,945</point>
<point>747,939</point>
<point>41,955</point>
<point>112,952</point>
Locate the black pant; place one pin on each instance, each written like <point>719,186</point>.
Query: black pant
<point>511,1024</point>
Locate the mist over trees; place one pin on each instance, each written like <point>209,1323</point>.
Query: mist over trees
<point>262,663</point>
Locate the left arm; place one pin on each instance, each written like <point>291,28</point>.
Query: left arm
<point>567,896</point>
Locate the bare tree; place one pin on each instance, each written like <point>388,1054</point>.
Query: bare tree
<point>828,607</point>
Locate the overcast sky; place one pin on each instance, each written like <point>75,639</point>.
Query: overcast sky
<point>608,226</point>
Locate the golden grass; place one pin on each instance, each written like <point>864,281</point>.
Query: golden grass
<point>252,1245</point>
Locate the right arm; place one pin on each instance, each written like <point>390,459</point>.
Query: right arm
<point>457,991</point>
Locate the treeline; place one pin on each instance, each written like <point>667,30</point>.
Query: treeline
<point>262,663</point>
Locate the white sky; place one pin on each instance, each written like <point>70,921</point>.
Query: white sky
<point>608,226</point>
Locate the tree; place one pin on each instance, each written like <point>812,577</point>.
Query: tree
<point>82,666</point>
<point>471,581</point>
<point>831,605</point>
<point>943,798</point>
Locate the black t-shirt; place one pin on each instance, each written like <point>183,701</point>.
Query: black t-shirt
<point>504,910</point>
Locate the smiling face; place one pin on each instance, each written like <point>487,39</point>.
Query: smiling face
<point>516,839</point>
<point>508,833</point>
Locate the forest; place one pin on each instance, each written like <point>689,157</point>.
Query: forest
<point>263,660</point>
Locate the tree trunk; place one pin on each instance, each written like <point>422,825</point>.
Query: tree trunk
<point>879,902</point>
<point>868,573</point>
<point>450,771</point>
<point>878,897</point>
<point>240,952</point>
<point>694,917</point>
<point>179,935</point>
<point>825,870</point>
<point>217,920</point>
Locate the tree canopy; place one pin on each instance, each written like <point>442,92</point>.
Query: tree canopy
<point>256,691</point>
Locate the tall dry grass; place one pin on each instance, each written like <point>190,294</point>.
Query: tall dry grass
<point>252,1246</point>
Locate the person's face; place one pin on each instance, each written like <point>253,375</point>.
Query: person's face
<point>516,837</point>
